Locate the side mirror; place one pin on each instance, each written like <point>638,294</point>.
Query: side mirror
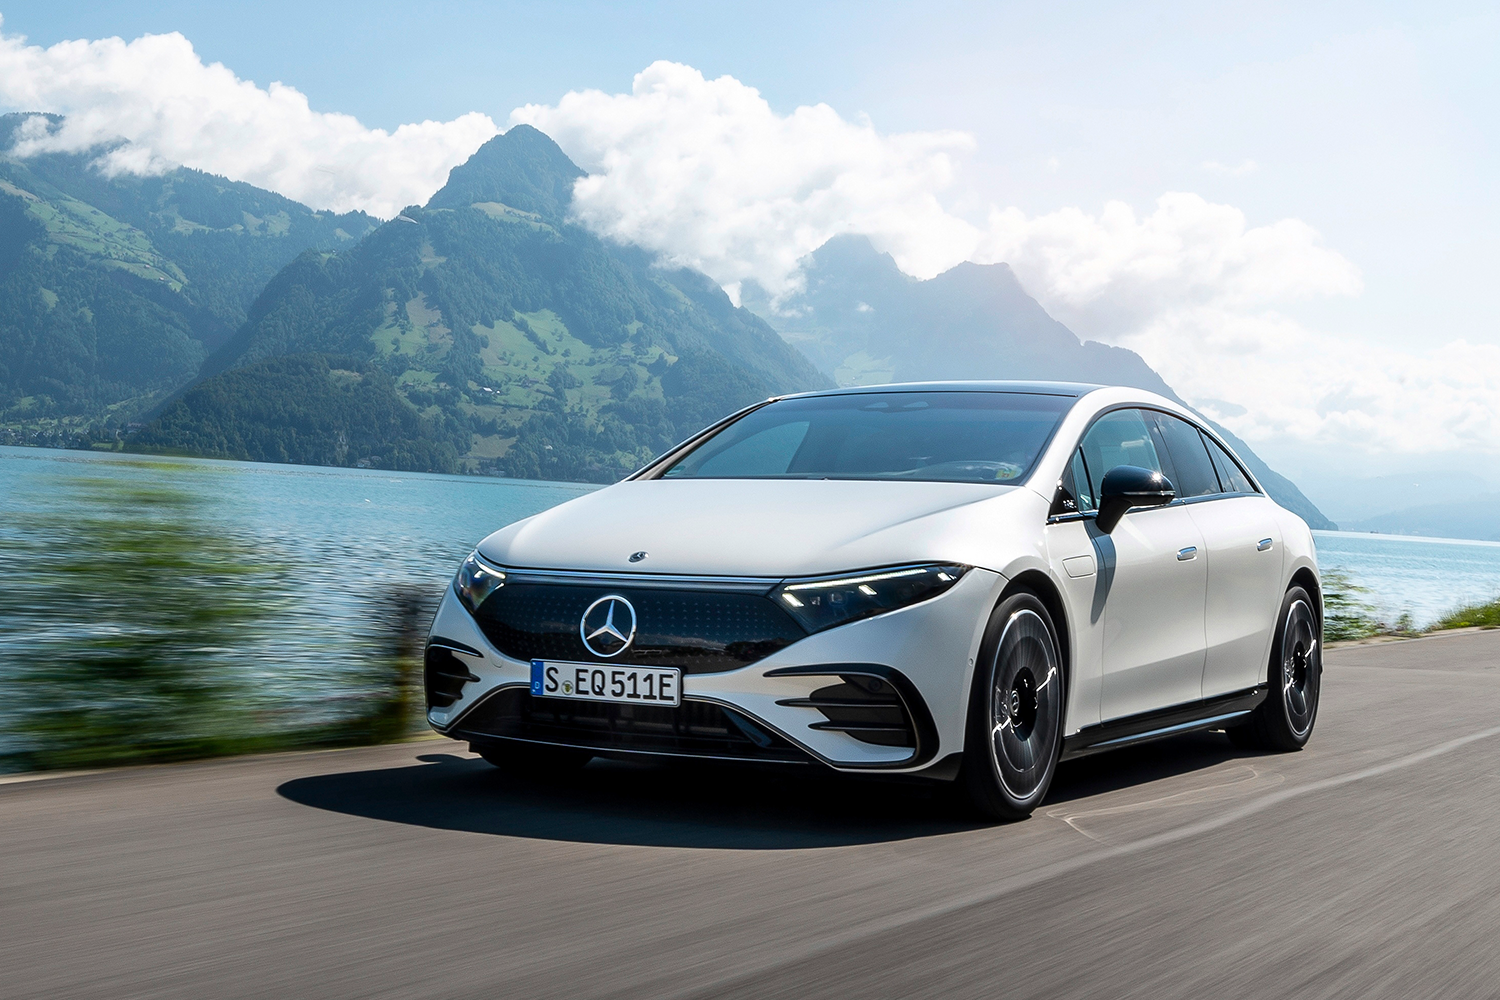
<point>1127,486</point>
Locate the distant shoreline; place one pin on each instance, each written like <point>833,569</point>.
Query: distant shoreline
<point>1405,538</point>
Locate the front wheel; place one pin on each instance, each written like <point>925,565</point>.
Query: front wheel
<point>1015,711</point>
<point>1284,721</point>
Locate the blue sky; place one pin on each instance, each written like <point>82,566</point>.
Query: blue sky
<point>1373,124</point>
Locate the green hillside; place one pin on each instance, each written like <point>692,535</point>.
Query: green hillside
<point>557,354</point>
<point>863,321</point>
<point>114,290</point>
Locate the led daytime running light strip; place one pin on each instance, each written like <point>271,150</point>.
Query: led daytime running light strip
<point>485,567</point>
<point>852,581</point>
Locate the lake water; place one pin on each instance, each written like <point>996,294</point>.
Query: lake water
<point>348,533</point>
<point>1426,577</point>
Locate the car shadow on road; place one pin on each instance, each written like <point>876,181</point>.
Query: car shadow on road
<point>705,806</point>
<point>1141,765</point>
<point>662,805</point>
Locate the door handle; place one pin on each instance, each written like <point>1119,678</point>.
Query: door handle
<point>1191,552</point>
<point>1265,543</point>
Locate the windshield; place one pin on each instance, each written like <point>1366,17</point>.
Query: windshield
<point>965,437</point>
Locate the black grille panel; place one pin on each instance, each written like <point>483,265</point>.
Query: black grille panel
<point>697,727</point>
<point>698,631</point>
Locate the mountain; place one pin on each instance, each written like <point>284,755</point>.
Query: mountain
<point>863,321</point>
<point>522,344</point>
<point>1477,517</point>
<point>114,289</point>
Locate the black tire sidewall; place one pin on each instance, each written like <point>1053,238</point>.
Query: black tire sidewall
<point>1277,719</point>
<point>982,782</point>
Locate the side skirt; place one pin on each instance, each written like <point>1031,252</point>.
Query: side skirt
<point>1211,713</point>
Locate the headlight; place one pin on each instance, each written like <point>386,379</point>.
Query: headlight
<point>821,604</point>
<point>477,580</point>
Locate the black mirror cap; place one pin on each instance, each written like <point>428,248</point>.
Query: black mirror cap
<point>1127,486</point>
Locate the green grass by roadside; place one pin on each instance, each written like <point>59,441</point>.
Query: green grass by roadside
<point>1348,617</point>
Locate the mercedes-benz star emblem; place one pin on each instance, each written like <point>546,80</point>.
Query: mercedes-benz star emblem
<point>608,626</point>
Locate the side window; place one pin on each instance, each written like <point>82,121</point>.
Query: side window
<point>1118,438</point>
<point>1230,474</point>
<point>1078,474</point>
<point>1194,470</point>
<point>1073,493</point>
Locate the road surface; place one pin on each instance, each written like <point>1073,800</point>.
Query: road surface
<point>1367,865</point>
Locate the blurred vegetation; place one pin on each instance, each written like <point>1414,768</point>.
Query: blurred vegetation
<point>1346,614</point>
<point>124,634</point>
<point>1474,616</point>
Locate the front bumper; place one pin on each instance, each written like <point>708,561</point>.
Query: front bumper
<point>921,656</point>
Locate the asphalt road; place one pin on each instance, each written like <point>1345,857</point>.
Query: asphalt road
<point>1367,865</point>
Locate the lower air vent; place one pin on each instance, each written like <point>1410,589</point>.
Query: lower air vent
<point>444,676</point>
<point>696,728</point>
<point>867,708</point>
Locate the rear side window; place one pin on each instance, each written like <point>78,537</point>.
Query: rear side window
<point>1231,475</point>
<point>1192,470</point>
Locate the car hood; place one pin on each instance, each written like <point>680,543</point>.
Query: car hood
<point>770,528</point>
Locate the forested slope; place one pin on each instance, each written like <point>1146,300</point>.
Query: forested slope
<point>113,289</point>
<point>559,354</point>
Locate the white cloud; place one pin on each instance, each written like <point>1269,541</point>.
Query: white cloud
<point>1204,298</point>
<point>1342,395</point>
<point>157,94</point>
<point>707,173</point>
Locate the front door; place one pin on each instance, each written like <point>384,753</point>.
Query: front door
<point>1151,581</point>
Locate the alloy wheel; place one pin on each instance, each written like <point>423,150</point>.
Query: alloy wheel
<point>1301,667</point>
<point>1025,704</point>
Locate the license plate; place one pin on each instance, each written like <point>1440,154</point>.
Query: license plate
<point>601,682</point>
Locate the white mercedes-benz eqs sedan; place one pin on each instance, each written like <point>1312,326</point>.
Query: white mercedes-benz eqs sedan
<point>967,581</point>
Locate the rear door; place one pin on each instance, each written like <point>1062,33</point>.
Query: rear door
<point>1243,539</point>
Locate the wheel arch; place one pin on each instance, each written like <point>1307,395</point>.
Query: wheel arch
<point>1040,584</point>
<point>1305,578</point>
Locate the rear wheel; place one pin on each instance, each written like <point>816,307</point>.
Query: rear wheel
<point>1284,721</point>
<point>530,760</point>
<point>1015,711</point>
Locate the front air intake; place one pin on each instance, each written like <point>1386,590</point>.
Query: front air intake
<point>695,728</point>
<point>444,675</point>
<point>867,708</point>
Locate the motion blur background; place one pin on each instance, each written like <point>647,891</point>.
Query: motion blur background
<point>1285,210</point>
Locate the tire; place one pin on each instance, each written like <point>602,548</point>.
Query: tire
<point>526,760</point>
<point>1284,721</point>
<point>1015,725</point>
